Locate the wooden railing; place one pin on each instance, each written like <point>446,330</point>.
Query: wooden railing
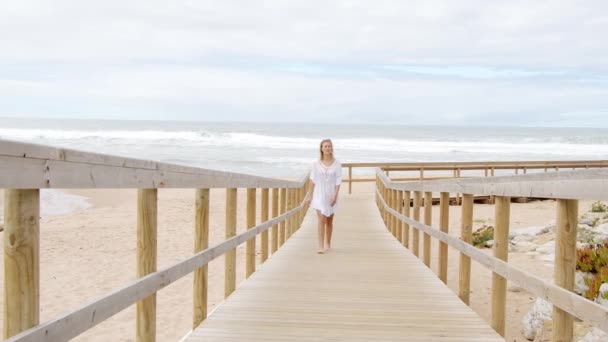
<point>393,199</point>
<point>455,168</point>
<point>26,168</point>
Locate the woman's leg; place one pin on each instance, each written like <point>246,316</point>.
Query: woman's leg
<point>328,230</point>
<point>322,222</point>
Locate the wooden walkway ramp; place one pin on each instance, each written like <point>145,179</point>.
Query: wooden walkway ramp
<point>367,288</point>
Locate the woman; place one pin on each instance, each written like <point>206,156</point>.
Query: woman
<point>326,176</point>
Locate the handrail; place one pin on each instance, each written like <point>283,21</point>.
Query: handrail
<point>568,301</point>
<point>566,187</point>
<point>89,315</point>
<point>583,184</point>
<point>26,168</point>
<point>457,167</point>
<point>519,163</point>
<point>33,166</point>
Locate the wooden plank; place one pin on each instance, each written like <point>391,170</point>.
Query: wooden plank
<point>230,257</point>
<point>147,209</point>
<point>316,298</point>
<point>444,220</point>
<point>21,260</point>
<point>35,166</point>
<point>466,234</point>
<point>501,252</point>
<point>583,184</point>
<point>283,208</point>
<point>428,217</point>
<point>89,315</point>
<point>415,232</point>
<point>570,302</point>
<point>565,264</point>
<point>406,212</point>
<point>201,242</point>
<point>264,218</point>
<point>479,163</point>
<point>250,249</point>
<point>275,228</point>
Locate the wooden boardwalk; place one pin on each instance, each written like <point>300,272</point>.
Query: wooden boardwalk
<point>367,288</point>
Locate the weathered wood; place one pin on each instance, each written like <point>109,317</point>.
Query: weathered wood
<point>201,242</point>
<point>264,218</point>
<point>393,199</point>
<point>283,208</point>
<point>444,220</point>
<point>37,166</point>
<point>565,264</point>
<point>398,208</point>
<point>415,233</point>
<point>230,257</point>
<point>501,251</point>
<point>275,228</point>
<point>453,165</point>
<point>428,218</point>
<point>298,296</point>
<point>466,234</point>
<point>147,208</point>
<point>350,180</point>
<point>73,323</point>
<point>582,184</point>
<point>21,260</point>
<point>250,249</point>
<point>289,223</point>
<point>570,302</point>
<point>406,212</point>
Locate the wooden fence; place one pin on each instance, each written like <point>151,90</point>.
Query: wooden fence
<point>27,168</point>
<point>393,199</point>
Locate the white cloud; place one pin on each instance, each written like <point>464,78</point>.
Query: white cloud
<point>516,62</point>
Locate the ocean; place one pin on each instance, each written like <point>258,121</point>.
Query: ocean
<point>284,150</point>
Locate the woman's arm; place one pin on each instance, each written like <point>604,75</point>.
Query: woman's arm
<point>335,197</point>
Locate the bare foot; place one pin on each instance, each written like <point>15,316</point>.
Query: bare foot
<point>320,251</point>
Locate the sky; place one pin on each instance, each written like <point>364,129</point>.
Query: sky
<point>516,63</point>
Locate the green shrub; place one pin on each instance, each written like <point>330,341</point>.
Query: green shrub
<point>483,234</point>
<point>593,259</point>
<point>598,207</point>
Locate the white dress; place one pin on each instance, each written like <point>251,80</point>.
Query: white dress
<point>325,178</point>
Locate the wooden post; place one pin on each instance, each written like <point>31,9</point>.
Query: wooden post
<point>415,232</point>
<point>350,179</point>
<point>283,206</point>
<point>501,251</point>
<point>486,172</point>
<point>565,264</point>
<point>399,209</point>
<point>406,226</point>
<point>466,234</point>
<point>384,211</point>
<point>146,260</point>
<point>264,218</point>
<point>421,173</point>
<point>275,228</point>
<point>289,225</point>
<point>201,242</point>
<point>393,199</point>
<point>21,260</point>
<point>250,249</point>
<point>428,220</point>
<point>230,256</point>
<point>444,219</point>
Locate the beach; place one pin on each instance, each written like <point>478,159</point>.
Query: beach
<point>91,251</point>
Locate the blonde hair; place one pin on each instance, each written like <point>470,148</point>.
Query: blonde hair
<point>321,147</point>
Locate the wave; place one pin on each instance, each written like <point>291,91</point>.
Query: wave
<point>561,145</point>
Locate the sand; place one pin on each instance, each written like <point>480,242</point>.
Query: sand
<point>87,253</point>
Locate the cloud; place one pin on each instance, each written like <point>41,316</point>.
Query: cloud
<point>423,62</point>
